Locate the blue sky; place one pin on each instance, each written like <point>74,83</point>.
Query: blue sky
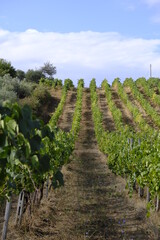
<point>83,39</point>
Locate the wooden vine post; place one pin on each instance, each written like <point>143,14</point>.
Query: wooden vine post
<point>20,208</point>
<point>6,219</point>
<point>157,203</point>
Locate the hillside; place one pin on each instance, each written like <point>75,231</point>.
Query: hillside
<point>94,202</point>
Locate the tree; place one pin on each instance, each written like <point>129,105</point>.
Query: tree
<point>34,75</point>
<point>6,68</point>
<point>20,74</point>
<point>48,69</point>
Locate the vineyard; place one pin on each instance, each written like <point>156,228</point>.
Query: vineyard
<point>91,172</point>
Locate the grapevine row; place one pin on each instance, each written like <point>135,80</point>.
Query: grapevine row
<point>54,119</point>
<point>145,104</point>
<point>132,108</point>
<point>148,91</point>
<point>116,113</point>
<point>134,156</point>
<point>31,153</point>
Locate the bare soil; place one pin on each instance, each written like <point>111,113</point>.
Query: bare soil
<point>65,120</point>
<point>93,204</point>
<point>108,122</point>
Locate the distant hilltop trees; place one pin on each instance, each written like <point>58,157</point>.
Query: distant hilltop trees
<point>30,87</point>
<point>48,70</point>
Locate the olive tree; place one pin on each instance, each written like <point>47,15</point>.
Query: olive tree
<point>48,70</point>
<point>34,75</point>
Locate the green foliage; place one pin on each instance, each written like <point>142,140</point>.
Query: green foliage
<point>6,95</point>
<point>137,161</point>
<point>6,68</point>
<point>9,83</point>
<point>40,96</point>
<point>145,104</point>
<point>20,74</point>
<point>67,85</point>
<point>78,109</point>
<point>29,151</point>
<point>148,90</point>
<point>25,89</point>
<point>34,75</point>
<point>137,116</point>
<point>48,70</point>
<point>116,113</point>
<point>51,82</point>
<point>57,83</point>
<point>153,82</point>
<point>116,81</point>
<point>12,88</point>
<point>8,86</point>
<point>133,155</point>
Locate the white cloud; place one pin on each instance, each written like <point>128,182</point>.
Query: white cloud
<point>82,54</point>
<point>152,2</point>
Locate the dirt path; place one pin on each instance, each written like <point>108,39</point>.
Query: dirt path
<point>126,115</point>
<point>65,121</point>
<point>93,203</point>
<point>108,122</point>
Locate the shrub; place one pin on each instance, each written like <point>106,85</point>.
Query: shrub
<point>25,89</point>
<point>34,75</point>
<point>42,94</point>
<point>12,88</point>
<point>6,95</point>
<point>51,82</point>
<point>8,86</point>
